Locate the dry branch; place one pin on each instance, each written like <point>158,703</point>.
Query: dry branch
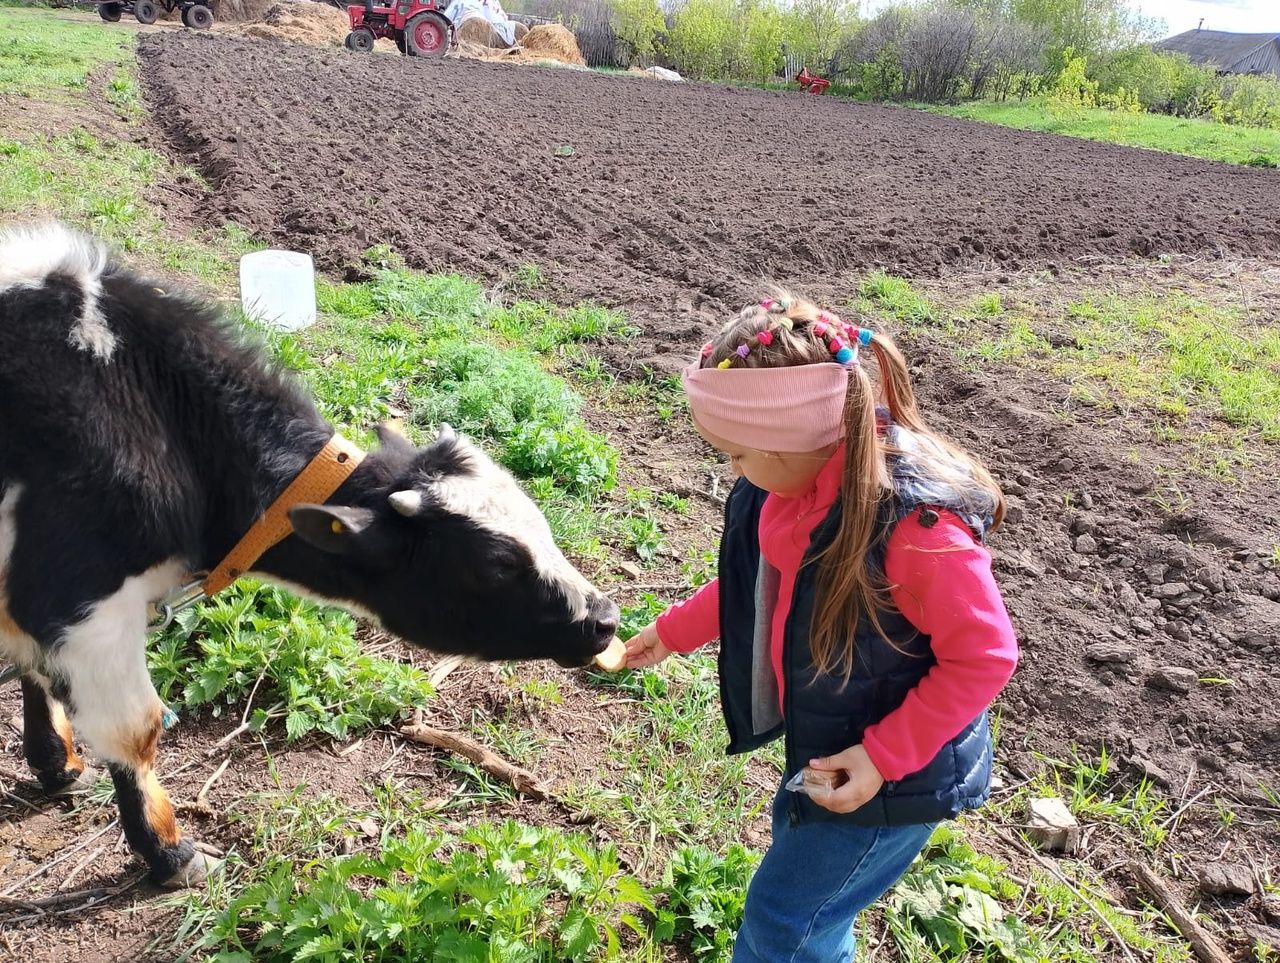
<point>1208,949</point>
<point>520,779</point>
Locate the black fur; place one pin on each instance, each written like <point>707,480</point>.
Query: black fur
<point>42,744</point>
<point>163,861</point>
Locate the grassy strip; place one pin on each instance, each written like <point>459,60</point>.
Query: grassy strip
<point>1257,147</point>
<point>1171,354</point>
<point>46,57</point>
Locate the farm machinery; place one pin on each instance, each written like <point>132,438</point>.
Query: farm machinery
<point>812,82</point>
<point>196,15</point>
<point>418,27</point>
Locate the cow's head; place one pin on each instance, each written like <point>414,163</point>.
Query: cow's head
<point>444,549</point>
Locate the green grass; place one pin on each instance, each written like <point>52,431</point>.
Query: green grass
<point>674,783</point>
<point>1171,354</point>
<point>44,56</point>
<point>885,294</point>
<point>1174,135</point>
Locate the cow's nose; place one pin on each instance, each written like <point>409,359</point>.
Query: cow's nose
<point>605,620</point>
<point>606,629</point>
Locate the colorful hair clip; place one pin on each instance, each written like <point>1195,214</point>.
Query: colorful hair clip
<point>864,336</point>
<point>724,364</point>
<point>820,329</point>
<point>768,303</point>
<point>742,350</point>
<point>765,337</point>
<point>707,349</point>
<point>846,355</point>
<point>787,323</point>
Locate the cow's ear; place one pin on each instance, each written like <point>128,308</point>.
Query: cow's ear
<point>392,437</point>
<point>336,529</point>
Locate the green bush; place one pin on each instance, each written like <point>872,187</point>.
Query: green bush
<point>704,41</point>
<point>1162,81</point>
<point>637,23</point>
<point>1250,101</point>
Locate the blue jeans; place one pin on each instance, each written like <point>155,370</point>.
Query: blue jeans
<point>814,881</point>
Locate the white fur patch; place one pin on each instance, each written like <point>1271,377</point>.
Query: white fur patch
<point>103,659</point>
<point>15,645</point>
<point>29,256</point>
<point>490,497</point>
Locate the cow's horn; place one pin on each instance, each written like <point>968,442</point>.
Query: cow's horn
<point>407,503</point>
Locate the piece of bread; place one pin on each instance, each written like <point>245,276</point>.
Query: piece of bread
<point>613,658</point>
<point>819,781</point>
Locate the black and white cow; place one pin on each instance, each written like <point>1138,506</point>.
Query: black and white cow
<point>140,437</point>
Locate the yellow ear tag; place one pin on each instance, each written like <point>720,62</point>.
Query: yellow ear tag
<point>335,526</point>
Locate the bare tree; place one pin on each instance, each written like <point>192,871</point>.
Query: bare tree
<point>936,52</point>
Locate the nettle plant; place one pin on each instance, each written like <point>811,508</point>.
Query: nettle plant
<point>504,892</point>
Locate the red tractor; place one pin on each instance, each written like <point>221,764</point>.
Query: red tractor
<point>419,27</point>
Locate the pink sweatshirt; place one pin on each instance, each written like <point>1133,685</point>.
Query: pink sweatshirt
<point>940,579</point>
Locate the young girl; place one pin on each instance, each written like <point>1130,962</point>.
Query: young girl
<point>856,609</point>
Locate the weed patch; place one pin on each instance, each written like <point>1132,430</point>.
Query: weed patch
<point>897,298</point>
<point>504,892</point>
<point>705,895</point>
<point>301,662</point>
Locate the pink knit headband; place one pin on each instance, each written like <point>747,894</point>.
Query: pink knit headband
<point>790,409</point>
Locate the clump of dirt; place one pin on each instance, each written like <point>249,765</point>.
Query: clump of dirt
<point>302,22</point>
<point>554,42</point>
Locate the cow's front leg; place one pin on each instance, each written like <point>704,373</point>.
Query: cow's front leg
<point>47,741</point>
<point>102,666</point>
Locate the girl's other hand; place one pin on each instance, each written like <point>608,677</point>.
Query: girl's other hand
<point>645,648</point>
<point>864,780</point>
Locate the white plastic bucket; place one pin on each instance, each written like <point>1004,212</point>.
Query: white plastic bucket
<point>279,288</point>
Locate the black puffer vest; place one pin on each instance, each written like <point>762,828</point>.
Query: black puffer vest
<point>822,715</point>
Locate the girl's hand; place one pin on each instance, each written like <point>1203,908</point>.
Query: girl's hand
<point>645,648</point>
<point>864,780</point>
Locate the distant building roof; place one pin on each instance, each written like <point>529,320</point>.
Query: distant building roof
<point>1233,53</point>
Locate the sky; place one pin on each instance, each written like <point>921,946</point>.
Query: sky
<point>1237,16</point>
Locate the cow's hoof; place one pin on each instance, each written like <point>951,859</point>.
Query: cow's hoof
<point>194,872</point>
<point>83,782</point>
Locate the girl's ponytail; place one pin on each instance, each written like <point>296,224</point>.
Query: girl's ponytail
<point>844,590</point>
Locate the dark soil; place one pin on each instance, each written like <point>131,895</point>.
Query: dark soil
<point>671,200</point>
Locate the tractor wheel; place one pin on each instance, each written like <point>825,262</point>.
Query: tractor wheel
<point>426,35</point>
<point>400,45</point>
<point>198,17</point>
<point>145,11</point>
<point>360,39</point>
<point>110,12</point>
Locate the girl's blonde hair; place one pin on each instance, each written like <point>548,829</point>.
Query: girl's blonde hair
<point>848,586</point>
